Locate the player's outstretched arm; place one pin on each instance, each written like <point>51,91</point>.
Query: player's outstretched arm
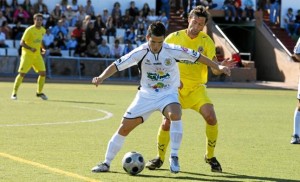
<point>223,69</point>
<point>227,62</point>
<point>109,71</point>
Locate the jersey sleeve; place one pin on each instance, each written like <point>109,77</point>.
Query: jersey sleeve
<point>130,59</point>
<point>183,53</point>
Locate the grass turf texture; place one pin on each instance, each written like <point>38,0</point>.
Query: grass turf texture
<point>254,134</point>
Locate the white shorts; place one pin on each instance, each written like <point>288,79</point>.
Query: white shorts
<point>144,107</point>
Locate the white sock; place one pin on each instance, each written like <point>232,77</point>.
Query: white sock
<point>113,147</point>
<point>175,136</point>
<point>296,122</point>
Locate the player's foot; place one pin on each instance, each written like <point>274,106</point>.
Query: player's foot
<point>13,97</point>
<point>101,167</point>
<point>174,164</point>
<point>42,96</point>
<point>214,164</point>
<point>295,139</point>
<point>154,163</point>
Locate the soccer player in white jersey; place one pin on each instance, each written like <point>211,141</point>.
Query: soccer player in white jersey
<point>158,90</point>
<point>296,134</point>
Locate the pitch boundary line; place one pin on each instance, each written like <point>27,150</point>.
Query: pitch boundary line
<point>107,116</point>
<point>52,169</point>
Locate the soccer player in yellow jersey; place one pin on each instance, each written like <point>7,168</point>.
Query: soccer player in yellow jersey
<point>32,50</point>
<point>193,93</point>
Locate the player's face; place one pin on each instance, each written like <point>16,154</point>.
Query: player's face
<point>155,43</point>
<point>196,25</point>
<point>38,21</point>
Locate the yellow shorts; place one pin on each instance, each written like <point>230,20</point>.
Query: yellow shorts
<point>193,98</point>
<point>34,61</point>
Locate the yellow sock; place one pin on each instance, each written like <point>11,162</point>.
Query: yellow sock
<point>18,81</point>
<point>163,138</point>
<point>211,139</point>
<point>40,82</point>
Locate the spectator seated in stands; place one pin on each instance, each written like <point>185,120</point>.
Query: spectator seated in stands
<point>130,35</point>
<point>151,17</point>
<point>289,23</point>
<point>128,47</point>
<point>81,46</point>
<point>92,49</point>
<point>2,39</point>
<point>104,49</point>
<point>48,38</point>
<point>116,50</point>
<point>59,28</point>
<point>209,4</point>
<point>238,8</point>
<point>21,15</point>
<point>6,30</point>
<point>164,19</point>
<point>70,16</point>
<point>2,18</point>
<point>77,32</point>
<point>89,9</point>
<point>54,48</point>
<point>229,9</point>
<point>141,34</point>
<point>98,38</point>
<point>72,43</point>
<point>61,38</point>
<point>249,9</point>
<point>18,30</point>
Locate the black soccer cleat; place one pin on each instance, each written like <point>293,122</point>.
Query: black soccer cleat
<point>295,139</point>
<point>42,96</point>
<point>154,163</point>
<point>214,164</point>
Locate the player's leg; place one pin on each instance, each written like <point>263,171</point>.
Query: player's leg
<point>25,65</point>
<point>40,68</point>
<point>296,133</point>
<point>163,138</point>
<point>173,112</point>
<point>116,142</point>
<point>208,113</point>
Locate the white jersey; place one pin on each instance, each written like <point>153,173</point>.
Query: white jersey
<point>159,72</point>
<point>297,47</point>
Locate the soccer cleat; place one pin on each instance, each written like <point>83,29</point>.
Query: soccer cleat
<point>174,164</point>
<point>215,165</point>
<point>42,96</point>
<point>14,97</point>
<point>154,163</point>
<point>101,167</point>
<point>295,139</point>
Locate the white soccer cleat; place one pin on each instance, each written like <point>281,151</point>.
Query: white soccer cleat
<point>102,167</point>
<point>174,164</point>
<point>13,97</point>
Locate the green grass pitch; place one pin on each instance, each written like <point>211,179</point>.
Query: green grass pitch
<point>63,138</point>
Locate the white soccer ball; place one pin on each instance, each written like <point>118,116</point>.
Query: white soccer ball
<point>133,163</point>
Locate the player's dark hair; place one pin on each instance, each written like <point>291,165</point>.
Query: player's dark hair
<point>199,11</point>
<point>156,29</point>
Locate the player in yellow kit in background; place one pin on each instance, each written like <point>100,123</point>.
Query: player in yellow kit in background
<point>193,94</point>
<point>32,50</point>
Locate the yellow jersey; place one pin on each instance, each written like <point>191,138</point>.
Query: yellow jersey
<point>33,37</point>
<point>193,74</point>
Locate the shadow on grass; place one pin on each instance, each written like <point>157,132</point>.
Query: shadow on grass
<point>80,102</point>
<point>230,177</point>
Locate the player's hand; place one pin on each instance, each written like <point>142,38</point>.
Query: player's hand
<point>97,80</point>
<point>225,70</point>
<point>181,85</point>
<point>229,63</point>
<point>43,51</point>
